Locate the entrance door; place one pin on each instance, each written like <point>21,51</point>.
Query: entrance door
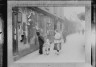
<point>15,37</point>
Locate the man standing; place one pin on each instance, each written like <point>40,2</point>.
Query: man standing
<point>41,42</point>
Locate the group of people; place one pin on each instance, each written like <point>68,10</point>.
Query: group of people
<point>45,44</point>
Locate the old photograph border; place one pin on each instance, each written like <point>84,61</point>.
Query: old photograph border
<point>11,4</point>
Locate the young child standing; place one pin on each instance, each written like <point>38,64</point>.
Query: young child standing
<point>46,47</point>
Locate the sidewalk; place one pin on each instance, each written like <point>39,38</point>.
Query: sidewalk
<point>72,51</point>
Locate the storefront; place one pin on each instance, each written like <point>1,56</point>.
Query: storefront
<point>25,20</point>
<point>24,37</point>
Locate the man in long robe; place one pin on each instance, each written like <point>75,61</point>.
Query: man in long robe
<point>41,42</point>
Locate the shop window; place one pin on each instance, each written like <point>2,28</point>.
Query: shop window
<point>19,17</point>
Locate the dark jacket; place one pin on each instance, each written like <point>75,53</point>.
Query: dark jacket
<point>41,42</point>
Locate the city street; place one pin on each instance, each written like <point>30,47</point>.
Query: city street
<point>72,51</point>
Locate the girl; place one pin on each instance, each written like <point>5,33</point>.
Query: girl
<point>57,42</point>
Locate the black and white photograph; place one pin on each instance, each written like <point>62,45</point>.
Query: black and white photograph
<point>49,33</point>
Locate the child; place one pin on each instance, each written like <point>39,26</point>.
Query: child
<point>46,47</point>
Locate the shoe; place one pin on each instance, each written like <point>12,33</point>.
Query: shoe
<point>40,53</point>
